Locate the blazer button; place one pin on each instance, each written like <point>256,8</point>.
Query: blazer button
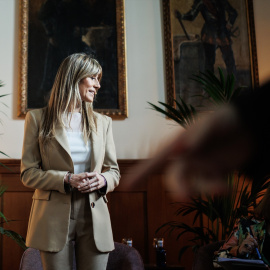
<point>92,204</point>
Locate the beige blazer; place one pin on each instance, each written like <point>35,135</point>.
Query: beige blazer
<point>43,169</point>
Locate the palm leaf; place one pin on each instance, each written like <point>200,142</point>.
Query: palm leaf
<point>188,111</point>
<point>221,76</point>
<point>216,96</point>
<point>4,95</point>
<point>14,236</point>
<point>217,214</point>
<point>184,115</point>
<point>3,217</point>
<point>236,93</point>
<point>2,189</point>
<point>172,110</point>
<point>183,250</point>
<point>3,165</point>
<point>229,88</point>
<point>220,90</point>
<point>164,112</point>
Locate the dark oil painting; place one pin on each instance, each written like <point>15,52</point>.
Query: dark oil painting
<point>205,35</point>
<point>58,28</point>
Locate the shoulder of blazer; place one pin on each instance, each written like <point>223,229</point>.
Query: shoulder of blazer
<point>101,118</point>
<point>36,114</point>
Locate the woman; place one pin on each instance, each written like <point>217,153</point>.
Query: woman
<point>69,159</point>
<point>251,236</point>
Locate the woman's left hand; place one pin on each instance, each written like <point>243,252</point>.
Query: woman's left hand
<point>94,182</point>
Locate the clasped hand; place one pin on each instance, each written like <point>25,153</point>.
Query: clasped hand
<point>87,182</point>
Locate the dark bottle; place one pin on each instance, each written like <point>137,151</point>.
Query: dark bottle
<point>160,254</point>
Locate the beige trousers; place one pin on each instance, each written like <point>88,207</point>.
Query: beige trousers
<point>81,231</point>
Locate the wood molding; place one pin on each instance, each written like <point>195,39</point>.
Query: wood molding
<point>123,163</point>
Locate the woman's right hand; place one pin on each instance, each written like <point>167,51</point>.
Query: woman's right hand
<point>77,180</point>
<point>247,246</point>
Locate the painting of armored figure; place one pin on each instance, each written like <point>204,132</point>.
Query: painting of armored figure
<point>205,35</point>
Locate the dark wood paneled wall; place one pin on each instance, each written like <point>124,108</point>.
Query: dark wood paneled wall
<point>135,213</point>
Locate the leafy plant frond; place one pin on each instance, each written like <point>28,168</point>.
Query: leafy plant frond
<point>220,90</point>
<point>184,115</point>
<point>2,189</point>
<point>3,165</point>
<point>171,116</point>
<point>213,216</point>
<point>221,210</point>
<point>3,217</point>
<point>4,95</point>
<point>183,250</point>
<point>14,236</point>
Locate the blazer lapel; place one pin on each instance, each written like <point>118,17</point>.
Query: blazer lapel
<point>96,147</point>
<point>61,137</point>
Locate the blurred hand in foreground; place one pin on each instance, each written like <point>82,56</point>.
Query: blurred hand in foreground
<point>235,137</point>
<point>199,158</point>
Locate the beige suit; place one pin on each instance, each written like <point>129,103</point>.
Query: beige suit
<point>44,168</point>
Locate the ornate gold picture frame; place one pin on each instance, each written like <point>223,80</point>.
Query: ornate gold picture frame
<point>186,32</point>
<point>52,30</point>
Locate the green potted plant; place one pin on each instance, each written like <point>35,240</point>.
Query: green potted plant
<point>13,235</point>
<point>216,214</point>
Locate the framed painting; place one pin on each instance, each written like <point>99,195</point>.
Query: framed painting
<point>53,29</point>
<point>202,35</point>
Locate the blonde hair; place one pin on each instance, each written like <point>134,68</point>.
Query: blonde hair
<point>65,96</point>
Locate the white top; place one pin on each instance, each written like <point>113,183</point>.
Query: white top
<point>80,152</point>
